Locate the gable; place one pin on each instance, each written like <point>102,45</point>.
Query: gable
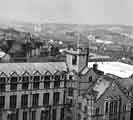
<point>112,91</point>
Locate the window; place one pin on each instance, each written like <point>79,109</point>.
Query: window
<point>46,99</point>
<point>24,100</point>
<point>12,116</point>
<point>78,117</point>
<point>86,109</point>
<point>36,82</point>
<point>45,115</point>
<point>47,81</point>
<point>54,114</point>
<point>70,91</point>
<point>2,84</point>
<point>124,108</point>
<point>57,81</point>
<point>25,82</point>
<point>115,106</point>
<point>56,98</point>
<point>106,107</point>
<point>74,60</point>
<point>123,118</point>
<point>13,101</point>
<point>2,101</point>
<point>79,106</point>
<point>70,77</point>
<point>35,100</point>
<point>97,111</point>
<point>111,107</point>
<point>13,84</point>
<point>33,114</point>
<point>90,78</point>
<point>62,114</point>
<point>24,115</point>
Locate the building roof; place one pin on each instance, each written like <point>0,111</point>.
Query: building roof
<point>126,83</point>
<point>101,86</point>
<point>119,69</point>
<point>31,68</point>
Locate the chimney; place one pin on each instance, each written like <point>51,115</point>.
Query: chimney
<point>95,66</point>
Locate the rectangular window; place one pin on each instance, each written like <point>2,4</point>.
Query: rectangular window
<point>46,99</point>
<point>36,82</point>
<point>33,115</point>
<point>24,115</point>
<point>25,82</point>
<point>86,109</point>
<point>56,98</point>
<point>106,107</point>
<point>45,115</point>
<point>62,114</point>
<point>54,114</point>
<point>97,111</point>
<point>111,107</point>
<point>47,81</point>
<point>74,60</point>
<point>13,84</point>
<point>90,78</point>
<point>2,101</point>
<point>24,100</point>
<point>13,101</point>
<point>2,84</point>
<point>115,106</point>
<point>35,100</point>
<point>57,81</point>
<point>70,91</point>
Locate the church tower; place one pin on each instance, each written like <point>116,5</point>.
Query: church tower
<point>78,59</point>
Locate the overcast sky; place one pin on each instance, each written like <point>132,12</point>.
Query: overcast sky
<point>69,11</point>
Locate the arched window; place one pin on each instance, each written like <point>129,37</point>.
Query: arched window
<point>57,78</point>
<point>2,84</point>
<point>13,81</point>
<point>47,78</point>
<point>25,82</point>
<point>36,80</point>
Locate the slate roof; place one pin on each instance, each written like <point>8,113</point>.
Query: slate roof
<point>101,86</point>
<point>31,68</point>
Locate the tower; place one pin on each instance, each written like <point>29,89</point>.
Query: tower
<point>77,60</point>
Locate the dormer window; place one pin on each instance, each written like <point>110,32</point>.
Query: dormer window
<point>25,82</point>
<point>74,60</point>
<point>36,82</point>
<point>57,81</point>
<point>13,84</point>
<point>47,81</point>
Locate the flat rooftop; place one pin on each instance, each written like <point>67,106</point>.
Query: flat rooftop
<point>119,69</point>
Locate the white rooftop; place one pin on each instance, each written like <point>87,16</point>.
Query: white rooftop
<point>116,68</point>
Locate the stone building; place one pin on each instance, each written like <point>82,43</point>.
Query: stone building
<point>104,101</point>
<point>32,91</point>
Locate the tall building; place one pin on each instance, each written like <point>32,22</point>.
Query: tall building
<point>32,91</point>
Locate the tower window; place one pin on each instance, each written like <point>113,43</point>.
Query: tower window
<point>74,60</point>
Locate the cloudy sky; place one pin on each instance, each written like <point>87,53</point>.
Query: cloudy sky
<point>69,11</point>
